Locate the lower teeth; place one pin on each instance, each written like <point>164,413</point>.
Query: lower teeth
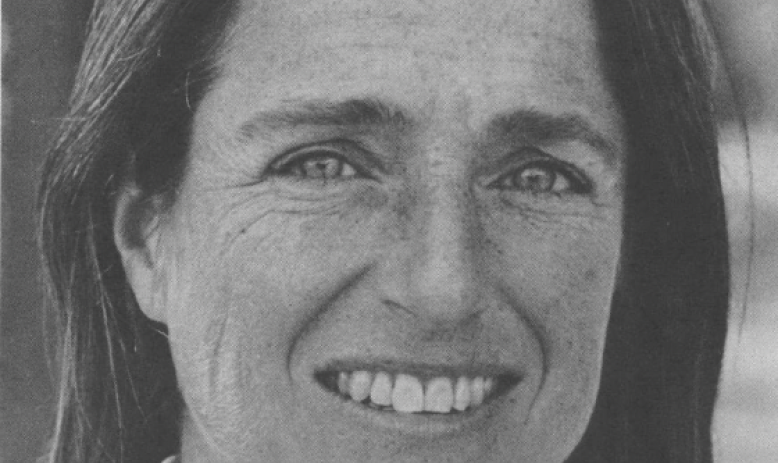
<point>389,408</point>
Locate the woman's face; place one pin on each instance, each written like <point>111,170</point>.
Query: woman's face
<point>397,236</point>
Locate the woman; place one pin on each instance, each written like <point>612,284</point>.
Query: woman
<point>347,231</point>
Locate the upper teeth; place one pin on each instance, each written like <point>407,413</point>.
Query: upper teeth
<point>406,393</point>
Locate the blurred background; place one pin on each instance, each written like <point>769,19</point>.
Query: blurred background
<point>40,43</point>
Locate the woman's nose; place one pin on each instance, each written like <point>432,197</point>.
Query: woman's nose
<point>441,255</point>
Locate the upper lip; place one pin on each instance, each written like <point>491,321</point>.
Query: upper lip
<point>423,369</point>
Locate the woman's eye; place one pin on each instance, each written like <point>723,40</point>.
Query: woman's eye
<point>318,165</point>
<point>542,177</point>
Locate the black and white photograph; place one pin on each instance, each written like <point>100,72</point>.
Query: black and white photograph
<point>372,231</point>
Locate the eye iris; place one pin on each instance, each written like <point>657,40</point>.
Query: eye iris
<point>321,167</point>
<point>537,179</point>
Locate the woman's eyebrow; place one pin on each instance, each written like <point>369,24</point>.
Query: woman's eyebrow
<point>528,125</point>
<point>347,113</point>
<point>533,126</point>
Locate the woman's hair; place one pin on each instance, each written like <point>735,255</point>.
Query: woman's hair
<point>146,65</point>
<point>666,335</point>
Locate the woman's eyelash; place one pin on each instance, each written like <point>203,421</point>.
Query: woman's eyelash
<point>544,176</point>
<point>318,163</point>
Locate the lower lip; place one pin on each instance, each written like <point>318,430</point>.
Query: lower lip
<point>421,424</point>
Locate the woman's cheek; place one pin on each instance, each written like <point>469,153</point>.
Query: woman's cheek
<point>560,274</point>
<point>250,273</point>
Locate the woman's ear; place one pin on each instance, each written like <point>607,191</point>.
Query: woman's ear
<point>138,236</point>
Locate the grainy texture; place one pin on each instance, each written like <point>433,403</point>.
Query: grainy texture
<point>41,42</point>
<point>42,39</point>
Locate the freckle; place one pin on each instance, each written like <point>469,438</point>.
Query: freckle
<point>403,205</point>
<point>590,275</point>
<point>372,199</point>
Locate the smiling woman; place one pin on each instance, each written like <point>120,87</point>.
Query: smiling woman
<point>416,231</point>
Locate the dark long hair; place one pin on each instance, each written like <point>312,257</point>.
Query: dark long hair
<point>145,66</point>
<point>669,318</point>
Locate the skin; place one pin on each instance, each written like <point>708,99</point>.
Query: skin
<point>427,254</point>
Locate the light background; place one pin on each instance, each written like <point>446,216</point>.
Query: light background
<point>40,47</point>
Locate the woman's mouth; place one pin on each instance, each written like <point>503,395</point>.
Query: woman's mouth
<point>406,392</point>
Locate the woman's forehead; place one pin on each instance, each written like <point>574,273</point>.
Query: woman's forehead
<point>437,28</point>
<point>466,19</point>
<point>481,58</point>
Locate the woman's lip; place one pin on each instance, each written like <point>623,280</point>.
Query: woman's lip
<point>418,424</point>
<point>425,370</point>
<point>421,424</point>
